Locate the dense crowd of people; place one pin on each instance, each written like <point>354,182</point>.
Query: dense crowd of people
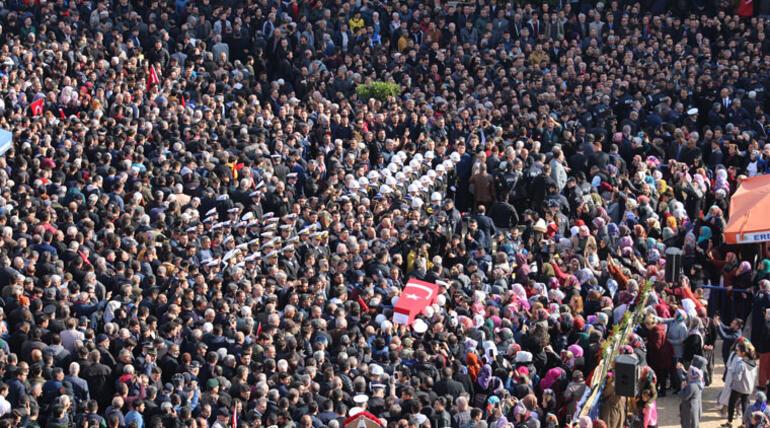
<point>202,222</point>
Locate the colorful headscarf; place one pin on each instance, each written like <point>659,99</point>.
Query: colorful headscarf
<point>551,377</point>
<point>576,350</point>
<point>485,376</point>
<point>744,267</point>
<point>705,234</point>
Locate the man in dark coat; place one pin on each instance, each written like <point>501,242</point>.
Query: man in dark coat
<point>447,385</point>
<point>99,378</point>
<point>16,388</point>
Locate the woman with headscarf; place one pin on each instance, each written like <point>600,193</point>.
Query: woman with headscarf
<point>763,271</point>
<point>693,345</point>
<point>482,388</point>
<point>721,181</point>
<point>725,303</point>
<point>613,406</point>
<point>691,406</point>
<point>716,221</point>
<point>742,378</point>
<point>743,281</point>
<point>553,380</point>
<point>591,254</point>
<point>660,353</point>
<point>522,268</point>
<point>574,392</point>
<point>677,332</point>
<point>759,405</point>
<point>647,410</point>
<point>760,333</point>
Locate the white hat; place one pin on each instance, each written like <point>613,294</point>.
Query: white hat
<point>376,370</point>
<point>385,189</point>
<point>435,197</point>
<point>429,155</point>
<point>419,326</point>
<point>352,412</point>
<point>692,112</point>
<point>379,319</point>
<point>455,157</point>
<point>523,357</point>
<point>391,181</point>
<point>230,254</point>
<point>361,399</point>
<point>441,300</point>
<point>428,312</point>
<point>417,203</point>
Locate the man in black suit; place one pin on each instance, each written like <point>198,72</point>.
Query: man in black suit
<point>447,385</point>
<point>485,222</point>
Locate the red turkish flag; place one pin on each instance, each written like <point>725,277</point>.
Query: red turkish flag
<point>36,108</point>
<point>152,78</point>
<point>416,296</point>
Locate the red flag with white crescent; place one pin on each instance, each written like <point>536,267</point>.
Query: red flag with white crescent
<point>416,296</point>
<point>36,107</point>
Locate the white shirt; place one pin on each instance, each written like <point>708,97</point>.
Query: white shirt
<point>5,406</point>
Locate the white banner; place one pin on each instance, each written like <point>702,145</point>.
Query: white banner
<point>750,238</point>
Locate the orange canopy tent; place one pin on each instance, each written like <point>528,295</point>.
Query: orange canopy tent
<point>750,212</point>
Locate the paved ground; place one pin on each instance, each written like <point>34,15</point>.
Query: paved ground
<point>668,407</point>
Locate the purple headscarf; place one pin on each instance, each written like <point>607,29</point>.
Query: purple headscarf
<point>485,376</point>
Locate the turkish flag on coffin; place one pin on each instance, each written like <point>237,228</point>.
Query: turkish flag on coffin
<point>415,297</point>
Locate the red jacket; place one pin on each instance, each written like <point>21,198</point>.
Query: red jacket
<point>660,353</point>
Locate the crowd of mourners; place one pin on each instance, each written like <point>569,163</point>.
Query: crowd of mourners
<point>204,224</point>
